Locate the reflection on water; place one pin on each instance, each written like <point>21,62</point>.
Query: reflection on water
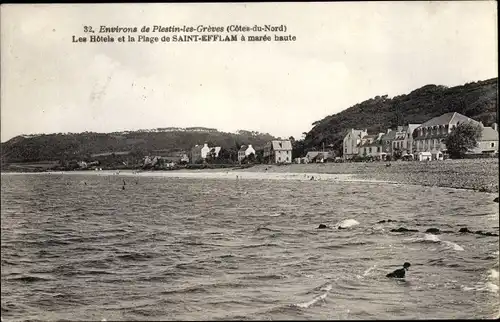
<point>78,247</point>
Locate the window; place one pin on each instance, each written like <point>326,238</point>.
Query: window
<point>345,150</point>
<point>370,150</point>
<point>378,149</point>
<point>492,144</point>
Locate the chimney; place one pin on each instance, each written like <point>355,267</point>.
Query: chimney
<point>388,130</point>
<point>205,145</point>
<point>494,126</point>
<point>249,146</point>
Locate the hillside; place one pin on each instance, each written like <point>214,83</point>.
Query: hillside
<point>477,100</point>
<point>72,146</point>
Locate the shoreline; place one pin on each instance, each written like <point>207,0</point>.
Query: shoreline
<point>477,175</point>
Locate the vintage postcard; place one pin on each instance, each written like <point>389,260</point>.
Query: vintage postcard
<point>249,161</point>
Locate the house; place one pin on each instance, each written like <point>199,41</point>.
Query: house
<point>488,143</point>
<point>199,153</point>
<point>351,143</point>
<point>403,141</point>
<point>318,156</point>
<point>214,152</point>
<point>373,146</point>
<point>430,135</point>
<point>424,156</point>
<point>278,151</point>
<point>245,151</point>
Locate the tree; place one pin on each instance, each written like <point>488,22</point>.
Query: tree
<point>463,138</point>
<point>397,154</point>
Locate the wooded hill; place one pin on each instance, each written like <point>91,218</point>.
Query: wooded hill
<point>477,100</point>
<point>82,146</point>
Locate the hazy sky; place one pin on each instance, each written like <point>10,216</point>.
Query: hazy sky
<point>344,53</point>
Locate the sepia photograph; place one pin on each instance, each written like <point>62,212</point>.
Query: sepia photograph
<point>249,161</point>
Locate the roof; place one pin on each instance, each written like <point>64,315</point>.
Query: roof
<point>389,136</point>
<point>313,154</point>
<point>278,145</point>
<point>489,134</point>
<point>374,143</point>
<point>355,132</point>
<point>243,148</point>
<point>447,118</point>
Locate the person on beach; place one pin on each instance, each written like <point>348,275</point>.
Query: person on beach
<point>399,273</point>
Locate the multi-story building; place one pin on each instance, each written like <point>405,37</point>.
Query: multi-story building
<point>429,136</point>
<point>488,143</point>
<point>278,151</point>
<point>403,141</point>
<point>373,146</point>
<point>351,143</point>
<point>245,151</point>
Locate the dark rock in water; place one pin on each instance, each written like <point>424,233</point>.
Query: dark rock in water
<point>403,229</point>
<point>479,232</point>
<point>322,226</point>
<point>495,200</point>
<point>433,231</point>
<point>384,221</point>
<point>464,230</point>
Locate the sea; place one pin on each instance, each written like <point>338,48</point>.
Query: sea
<point>111,246</point>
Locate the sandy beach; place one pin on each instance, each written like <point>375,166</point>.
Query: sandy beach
<point>475,174</point>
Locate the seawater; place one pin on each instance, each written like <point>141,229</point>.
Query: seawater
<point>76,246</point>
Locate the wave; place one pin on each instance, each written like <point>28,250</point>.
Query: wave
<point>267,229</point>
<point>430,238</point>
<point>327,288</point>
<point>452,245</point>
<point>262,245</point>
<point>347,223</point>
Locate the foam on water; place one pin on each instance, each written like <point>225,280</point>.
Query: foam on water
<point>323,296</point>
<point>366,272</point>
<point>347,223</point>
<point>453,245</point>
<point>435,239</point>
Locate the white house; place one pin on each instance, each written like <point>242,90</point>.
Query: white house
<point>351,143</point>
<point>199,152</point>
<point>488,143</point>
<point>278,151</point>
<point>403,140</point>
<point>424,156</point>
<point>245,151</point>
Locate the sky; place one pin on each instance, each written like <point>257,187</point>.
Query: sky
<point>344,53</point>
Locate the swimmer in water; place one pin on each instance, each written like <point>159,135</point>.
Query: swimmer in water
<point>399,273</point>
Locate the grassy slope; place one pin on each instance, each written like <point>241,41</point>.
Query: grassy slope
<point>477,100</point>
